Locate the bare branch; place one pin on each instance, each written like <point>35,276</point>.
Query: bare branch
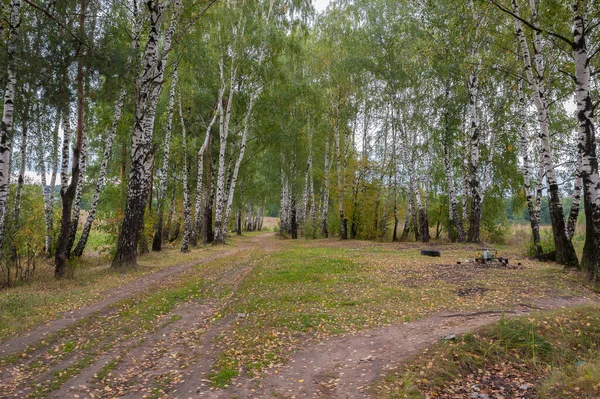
<point>532,26</point>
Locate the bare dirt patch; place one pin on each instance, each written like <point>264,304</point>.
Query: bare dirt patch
<point>347,366</point>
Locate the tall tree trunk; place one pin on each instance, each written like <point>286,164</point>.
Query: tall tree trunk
<point>208,231</point>
<point>590,260</point>
<point>574,211</point>
<point>325,203</point>
<point>453,216</point>
<point>283,201</point>
<point>474,185</point>
<point>148,87</point>
<point>238,162</point>
<point>304,214</point>
<point>223,134</point>
<point>22,163</point>
<point>68,194</point>
<point>533,216</point>
<point>200,197</point>
<point>6,127</point>
<point>46,193</point>
<point>164,175</point>
<point>78,194</point>
<point>340,172</point>
<point>187,203</point>
<point>565,253</point>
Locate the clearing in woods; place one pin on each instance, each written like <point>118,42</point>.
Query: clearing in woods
<point>265,317</point>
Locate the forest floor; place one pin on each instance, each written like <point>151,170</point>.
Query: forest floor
<point>264,317</point>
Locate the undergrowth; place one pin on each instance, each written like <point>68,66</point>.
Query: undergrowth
<point>549,355</point>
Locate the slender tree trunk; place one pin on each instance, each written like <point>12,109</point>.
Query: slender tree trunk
<point>455,224</point>
<point>304,214</point>
<point>68,194</point>
<point>208,231</point>
<point>6,127</point>
<point>340,172</point>
<point>238,162</point>
<point>587,146</point>
<point>474,185</point>
<point>565,253</point>
<point>533,216</point>
<point>325,204</point>
<point>21,179</point>
<point>223,134</point>
<point>164,175</point>
<point>45,192</point>
<point>78,194</point>
<point>187,203</point>
<point>200,197</point>
<point>283,198</point>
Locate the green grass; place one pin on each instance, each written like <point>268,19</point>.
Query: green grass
<point>46,298</point>
<point>128,320</point>
<point>315,289</point>
<point>223,377</point>
<point>557,352</point>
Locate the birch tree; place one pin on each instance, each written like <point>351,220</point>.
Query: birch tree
<point>6,127</point>
<point>565,253</point>
<point>147,87</point>
<point>164,172</point>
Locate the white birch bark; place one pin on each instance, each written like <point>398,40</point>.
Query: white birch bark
<point>283,202</point>
<point>187,204</point>
<point>238,162</point>
<point>66,146</point>
<point>6,127</point>
<point>164,172</point>
<point>200,200</point>
<point>529,193</point>
<point>325,203</point>
<point>223,134</point>
<point>45,192</point>
<point>306,195</point>
<point>48,191</point>
<point>587,144</point>
<point>148,86</point>
<point>565,253</point>
<point>453,215</point>
<point>475,139</point>
<point>78,193</point>
<point>340,172</point>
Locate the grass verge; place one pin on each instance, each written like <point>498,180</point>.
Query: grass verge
<point>551,355</point>
<point>313,290</point>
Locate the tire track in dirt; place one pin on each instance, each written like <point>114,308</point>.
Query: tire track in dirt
<point>18,381</point>
<point>346,367</point>
<point>20,343</point>
<point>146,364</point>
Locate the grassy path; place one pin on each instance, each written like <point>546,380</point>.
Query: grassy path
<point>265,317</point>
